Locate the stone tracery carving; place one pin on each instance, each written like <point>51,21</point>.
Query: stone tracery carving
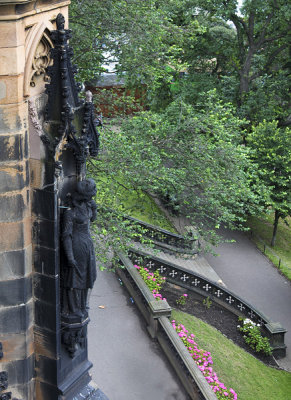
<point>41,60</point>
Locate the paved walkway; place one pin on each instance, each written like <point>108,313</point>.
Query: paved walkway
<point>242,268</point>
<point>248,273</point>
<point>128,365</point>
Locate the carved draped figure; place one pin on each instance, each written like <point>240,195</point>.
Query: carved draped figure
<point>76,226</point>
<point>79,273</point>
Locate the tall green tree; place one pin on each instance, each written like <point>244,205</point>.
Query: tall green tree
<point>261,51</point>
<point>243,52</point>
<point>189,156</point>
<point>271,150</point>
<point>134,34</point>
<point>187,148</point>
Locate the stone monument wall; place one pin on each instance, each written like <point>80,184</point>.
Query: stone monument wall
<point>24,57</point>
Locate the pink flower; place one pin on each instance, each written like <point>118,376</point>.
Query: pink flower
<point>203,360</point>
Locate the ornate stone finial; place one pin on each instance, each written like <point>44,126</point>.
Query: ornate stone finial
<point>60,20</point>
<point>62,85</point>
<point>89,96</point>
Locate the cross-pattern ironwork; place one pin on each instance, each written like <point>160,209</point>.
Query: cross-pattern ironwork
<point>196,282</point>
<point>164,237</point>
<point>207,287</point>
<point>184,277</point>
<point>241,307</point>
<point>219,293</point>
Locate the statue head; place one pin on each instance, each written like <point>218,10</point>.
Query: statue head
<point>86,188</point>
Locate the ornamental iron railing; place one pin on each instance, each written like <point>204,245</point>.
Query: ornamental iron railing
<point>219,294</point>
<point>168,241</point>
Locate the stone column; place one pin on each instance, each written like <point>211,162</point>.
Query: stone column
<point>23,24</point>
<point>16,305</point>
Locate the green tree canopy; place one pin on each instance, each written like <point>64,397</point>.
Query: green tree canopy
<point>245,54</point>
<point>192,158</point>
<point>191,147</point>
<point>271,150</point>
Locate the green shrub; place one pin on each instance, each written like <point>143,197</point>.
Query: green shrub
<point>253,336</point>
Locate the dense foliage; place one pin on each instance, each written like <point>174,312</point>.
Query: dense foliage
<point>271,150</point>
<point>191,158</point>
<point>217,81</point>
<point>245,53</point>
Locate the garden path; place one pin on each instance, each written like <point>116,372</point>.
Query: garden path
<point>127,364</point>
<point>248,273</point>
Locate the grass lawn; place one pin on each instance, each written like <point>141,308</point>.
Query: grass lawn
<point>250,378</point>
<point>135,203</point>
<point>263,227</point>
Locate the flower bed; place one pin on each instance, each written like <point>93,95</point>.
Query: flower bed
<point>201,357</point>
<point>153,281</point>
<point>253,336</point>
<point>204,361</point>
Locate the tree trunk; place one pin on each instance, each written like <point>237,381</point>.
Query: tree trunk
<point>276,220</point>
<point>245,73</point>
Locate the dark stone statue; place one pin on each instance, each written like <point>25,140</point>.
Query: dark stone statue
<point>79,270</point>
